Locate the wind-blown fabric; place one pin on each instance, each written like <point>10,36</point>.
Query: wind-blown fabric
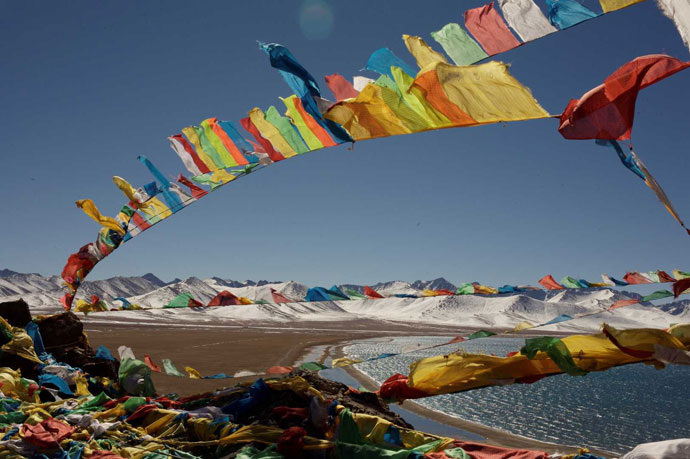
<point>607,111</point>
<point>576,355</point>
<point>679,12</point>
<point>187,154</point>
<point>612,5</point>
<point>459,45</point>
<point>549,283</point>
<point>340,87</point>
<point>383,59</point>
<point>423,53</point>
<point>489,29</point>
<point>567,13</point>
<point>92,211</point>
<point>525,17</point>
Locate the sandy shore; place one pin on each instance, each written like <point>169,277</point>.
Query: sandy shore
<point>231,348</point>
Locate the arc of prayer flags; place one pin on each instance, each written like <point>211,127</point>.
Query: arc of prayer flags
<point>401,101</point>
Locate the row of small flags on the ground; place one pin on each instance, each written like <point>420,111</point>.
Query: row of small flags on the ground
<point>679,279</point>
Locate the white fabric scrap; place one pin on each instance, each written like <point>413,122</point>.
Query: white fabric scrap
<point>525,17</point>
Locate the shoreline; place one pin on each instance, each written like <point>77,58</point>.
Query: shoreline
<point>236,347</point>
<point>491,435</point>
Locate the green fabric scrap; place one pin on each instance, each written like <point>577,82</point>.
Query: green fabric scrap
<point>428,447</point>
<point>170,369</point>
<point>354,294</point>
<point>457,453</point>
<point>132,403</point>
<point>481,334</point>
<point>15,417</point>
<point>556,350</point>
<point>659,294</point>
<point>465,289</point>
<point>251,452</point>
<point>348,450</point>
<point>312,366</point>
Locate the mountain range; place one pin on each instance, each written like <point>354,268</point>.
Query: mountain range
<point>149,291</point>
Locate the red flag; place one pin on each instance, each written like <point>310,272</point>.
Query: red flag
<point>263,141</point>
<point>371,293</point>
<point>607,111</point>
<point>621,303</point>
<point>149,363</point>
<point>636,278</point>
<point>490,30</point>
<point>340,87</point>
<point>279,298</point>
<point>664,277</point>
<point>549,283</point>
<point>680,286</point>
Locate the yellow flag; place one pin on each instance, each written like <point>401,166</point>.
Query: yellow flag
<point>91,210</point>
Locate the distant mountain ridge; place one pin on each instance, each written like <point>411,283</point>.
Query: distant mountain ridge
<point>148,290</point>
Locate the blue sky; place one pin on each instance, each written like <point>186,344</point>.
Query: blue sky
<point>88,86</point>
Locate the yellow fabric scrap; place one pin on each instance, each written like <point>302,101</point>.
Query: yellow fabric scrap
<point>423,53</point>
<point>524,325</point>
<point>21,345</point>
<point>192,373</point>
<point>644,339</point>
<point>427,292</point>
<point>679,274</point>
<point>415,438</point>
<point>343,362</point>
<point>129,191</point>
<point>244,300</point>
<point>92,211</point>
<point>613,5</point>
<point>270,132</point>
<point>222,176</point>
<point>681,332</point>
<point>297,384</point>
<point>487,92</point>
<point>82,386</point>
<point>161,422</point>
<point>371,99</point>
<point>416,101</point>
<point>460,371</point>
<point>344,116</point>
<point>155,209</point>
<point>193,138</point>
<point>293,113</point>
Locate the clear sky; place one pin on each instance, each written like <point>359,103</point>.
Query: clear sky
<point>87,86</point>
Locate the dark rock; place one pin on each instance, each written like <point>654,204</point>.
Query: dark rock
<point>63,336</point>
<point>16,313</point>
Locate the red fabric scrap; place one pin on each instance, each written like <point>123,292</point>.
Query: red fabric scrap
<point>482,451</point>
<point>340,87</point>
<point>47,434</point>
<point>224,298</point>
<point>457,339</point>
<point>490,30</point>
<point>142,411</point>
<point>149,363</point>
<point>549,283</point>
<point>635,278</point>
<point>621,303</point>
<point>278,370</point>
<point>285,413</point>
<point>291,442</point>
<point>607,111</point>
<point>371,293</point>
<point>263,141</point>
<point>664,277</point>
<point>195,190</point>
<point>680,286</point>
<point>396,388</point>
<point>279,298</point>
<point>190,151</point>
<point>443,291</point>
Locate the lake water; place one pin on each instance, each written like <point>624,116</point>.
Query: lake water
<point>612,410</point>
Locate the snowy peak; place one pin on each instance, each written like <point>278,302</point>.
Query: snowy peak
<point>436,284</point>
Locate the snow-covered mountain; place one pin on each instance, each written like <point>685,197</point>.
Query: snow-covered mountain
<point>499,311</point>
